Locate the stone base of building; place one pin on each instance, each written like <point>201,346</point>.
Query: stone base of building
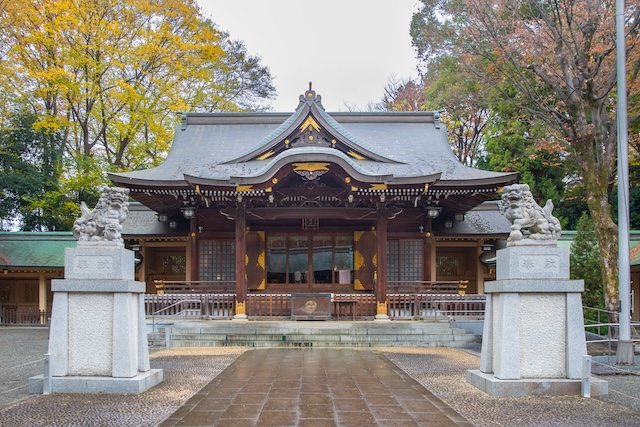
<point>94,384</point>
<point>533,386</point>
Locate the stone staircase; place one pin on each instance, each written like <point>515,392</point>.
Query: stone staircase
<point>310,334</point>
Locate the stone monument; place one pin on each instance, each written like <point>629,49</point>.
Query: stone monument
<point>533,340</point>
<point>98,339</point>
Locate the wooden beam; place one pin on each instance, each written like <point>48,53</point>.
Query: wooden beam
<point>295,213</point>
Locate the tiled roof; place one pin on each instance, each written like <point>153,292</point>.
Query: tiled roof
<point>33,249</point>
<point>217,148</point>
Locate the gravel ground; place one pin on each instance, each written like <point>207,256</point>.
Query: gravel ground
<point>22,352</point>
<point>443,372</point>
<point>187,370</point>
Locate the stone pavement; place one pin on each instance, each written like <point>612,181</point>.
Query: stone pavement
<point>314,387</point>
<point>190,370</point>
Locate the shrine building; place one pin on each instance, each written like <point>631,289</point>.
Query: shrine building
<point>311,202</point>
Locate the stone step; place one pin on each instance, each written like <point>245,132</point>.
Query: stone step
<point>362,332</point>
<point>316,334</point>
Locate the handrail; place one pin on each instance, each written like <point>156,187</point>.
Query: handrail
<point>429,286</point>
<point>198,286</point>
<point>431,282</point>
<point>153,315</point>
<point>610,337</point>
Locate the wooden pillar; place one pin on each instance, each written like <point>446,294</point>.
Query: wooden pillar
<point>142,268</point>
<point>428,248</point>
<point>42,297</point>
<point>192,251</point>
<point>381,274</point>
<point>241,282</point>
<point>479,269</point>
<point>432,255</point>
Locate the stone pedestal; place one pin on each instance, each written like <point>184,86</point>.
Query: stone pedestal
<point>533,338</point>
<point>98,341</point>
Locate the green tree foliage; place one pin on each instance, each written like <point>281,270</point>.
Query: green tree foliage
<point>464,101</point>
<point>460,99</point>
<point>559,56</point>
<point>519,142</point>
<point>586,265</point>
<point>30,171</point>
<point>586,262</point>
<point>109,77</point>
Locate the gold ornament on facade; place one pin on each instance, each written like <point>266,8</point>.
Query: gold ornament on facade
<point>358,260</point>
<point>241,307</point>
<point>356,155</point>
<point>378,187</point>
<point>244,188</point>
<point>266,155</point>
<point>310,123</point>
<point>310,306</point>
<point>310,171</point>
<point>310,167</point>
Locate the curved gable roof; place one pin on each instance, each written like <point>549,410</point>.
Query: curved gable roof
<point>310,116</point>
<point>225,149</point>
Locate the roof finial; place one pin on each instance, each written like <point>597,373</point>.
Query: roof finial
<point>310,97</point>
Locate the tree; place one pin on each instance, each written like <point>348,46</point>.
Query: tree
<point>241,82</point>
<point>109,77</point>
<point>30,169</point>
<point>464,101</point>
<point>402,95</point>
<point>560,56</point>
<point>459,99</point>
<point>585,265</point>
<point>519,142</point>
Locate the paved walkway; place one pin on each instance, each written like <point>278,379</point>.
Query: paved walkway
<point>314,387</point>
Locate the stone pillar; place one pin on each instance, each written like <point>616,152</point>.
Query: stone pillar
<point>98,338</point>
<point>533,339</point>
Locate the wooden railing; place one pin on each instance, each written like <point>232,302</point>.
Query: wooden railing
<point>427,287</point>
<point>435,306</point>
<point>195,287</point>
<point>275,306</point>
<point>269,305</point>
<point>359,306</point>
<point>209,306</point>
<point>14,315</point>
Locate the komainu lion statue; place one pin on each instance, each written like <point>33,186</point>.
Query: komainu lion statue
<point>524,213</point>
<point>104,223</point>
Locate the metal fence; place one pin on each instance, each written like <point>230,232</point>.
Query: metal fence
<point>599,328</point>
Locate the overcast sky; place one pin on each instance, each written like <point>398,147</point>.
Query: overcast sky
<point>349,49</point>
